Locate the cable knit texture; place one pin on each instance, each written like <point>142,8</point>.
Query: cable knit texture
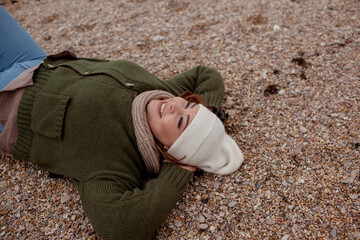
<point>88,135</point>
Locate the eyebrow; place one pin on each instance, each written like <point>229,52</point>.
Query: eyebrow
<point>193,105</point>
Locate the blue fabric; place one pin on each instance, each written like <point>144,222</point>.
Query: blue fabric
<point>18,51</point>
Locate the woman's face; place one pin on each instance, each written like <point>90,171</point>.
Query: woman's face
<point>168,118</point>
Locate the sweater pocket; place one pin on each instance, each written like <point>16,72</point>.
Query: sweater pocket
<point>48,114</point>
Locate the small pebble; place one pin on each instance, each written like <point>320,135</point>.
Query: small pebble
<point>270,222</point>
<point>231,113</point>
<point>207,216</point>
<point>65,198</point>
<point>245,124</point>
<point>229,102</point>
<point>333,232</point>
<point>158,38</point>
<point>285,237</point>
<point>181,207</point>
<point>353,196</point>
<point>346,180</point>
<point>276,28</point>
<point>203,226</point>
<point>297,150</point>
<point>177,224</point>
<point>303,129</point>
<point>232,204</point>
<point>201,218</point>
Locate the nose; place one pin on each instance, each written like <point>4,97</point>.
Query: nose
<point>175,107</point>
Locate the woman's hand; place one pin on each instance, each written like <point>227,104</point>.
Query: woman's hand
<point>187,167</point>
<point>184,166</point>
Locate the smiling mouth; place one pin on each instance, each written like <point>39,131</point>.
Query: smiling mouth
<point>162,107</point>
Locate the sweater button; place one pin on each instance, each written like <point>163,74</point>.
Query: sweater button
<point>86,73</point>
<point>50,66</point>
<point>129,85</point>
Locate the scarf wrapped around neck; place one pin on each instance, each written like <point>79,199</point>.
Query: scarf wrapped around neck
<point>144,138</point>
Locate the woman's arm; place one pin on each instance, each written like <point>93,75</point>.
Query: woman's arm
<point>118,212</point>
<point>204,81</point>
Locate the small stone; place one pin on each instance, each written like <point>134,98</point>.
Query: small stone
<point>334,115</point>
<point>158,38</point>
<point>343,210</point>
<point>229,102</point>
<point>348,66</point>
<point>333,232</point>
<point>177,224</point>
<point>285,237</point>
<point>297,150</point>
<point>258,185</point>
<point>231,113</point>
<point>245,124</point>
<point>353,196</point>
<point>264,74</point>
<point>201,219</point>
<point>16,188</point>
<point>282,91</point>
<point>270,222</point>
<point>212,228</point>
<point>65,198</point>
<point>349,179</point>
<point>276,28</point>
<point>207,216</point>
<point>232,204</point>
<point>253,48</point>
<point>356,235</point>
<point>73,217</point>
<point>181,207</point>
<point>302,129</point>
<point>203,226</point>
<point>346,180</point>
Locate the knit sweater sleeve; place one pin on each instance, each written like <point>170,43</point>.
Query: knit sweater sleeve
<point>117,211</point>
<point>204,81</point>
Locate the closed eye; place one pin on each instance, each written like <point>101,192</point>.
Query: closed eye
<point>188,105</point>
<point>180,122</point>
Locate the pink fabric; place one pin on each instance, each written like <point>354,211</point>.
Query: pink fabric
<point>10,97</point>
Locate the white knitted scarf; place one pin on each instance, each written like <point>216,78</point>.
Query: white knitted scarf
<point>144,138</point>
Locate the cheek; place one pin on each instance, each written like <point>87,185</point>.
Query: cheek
<point>168,133</point>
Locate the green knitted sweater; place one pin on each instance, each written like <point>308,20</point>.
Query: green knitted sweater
<point>76,121</point>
